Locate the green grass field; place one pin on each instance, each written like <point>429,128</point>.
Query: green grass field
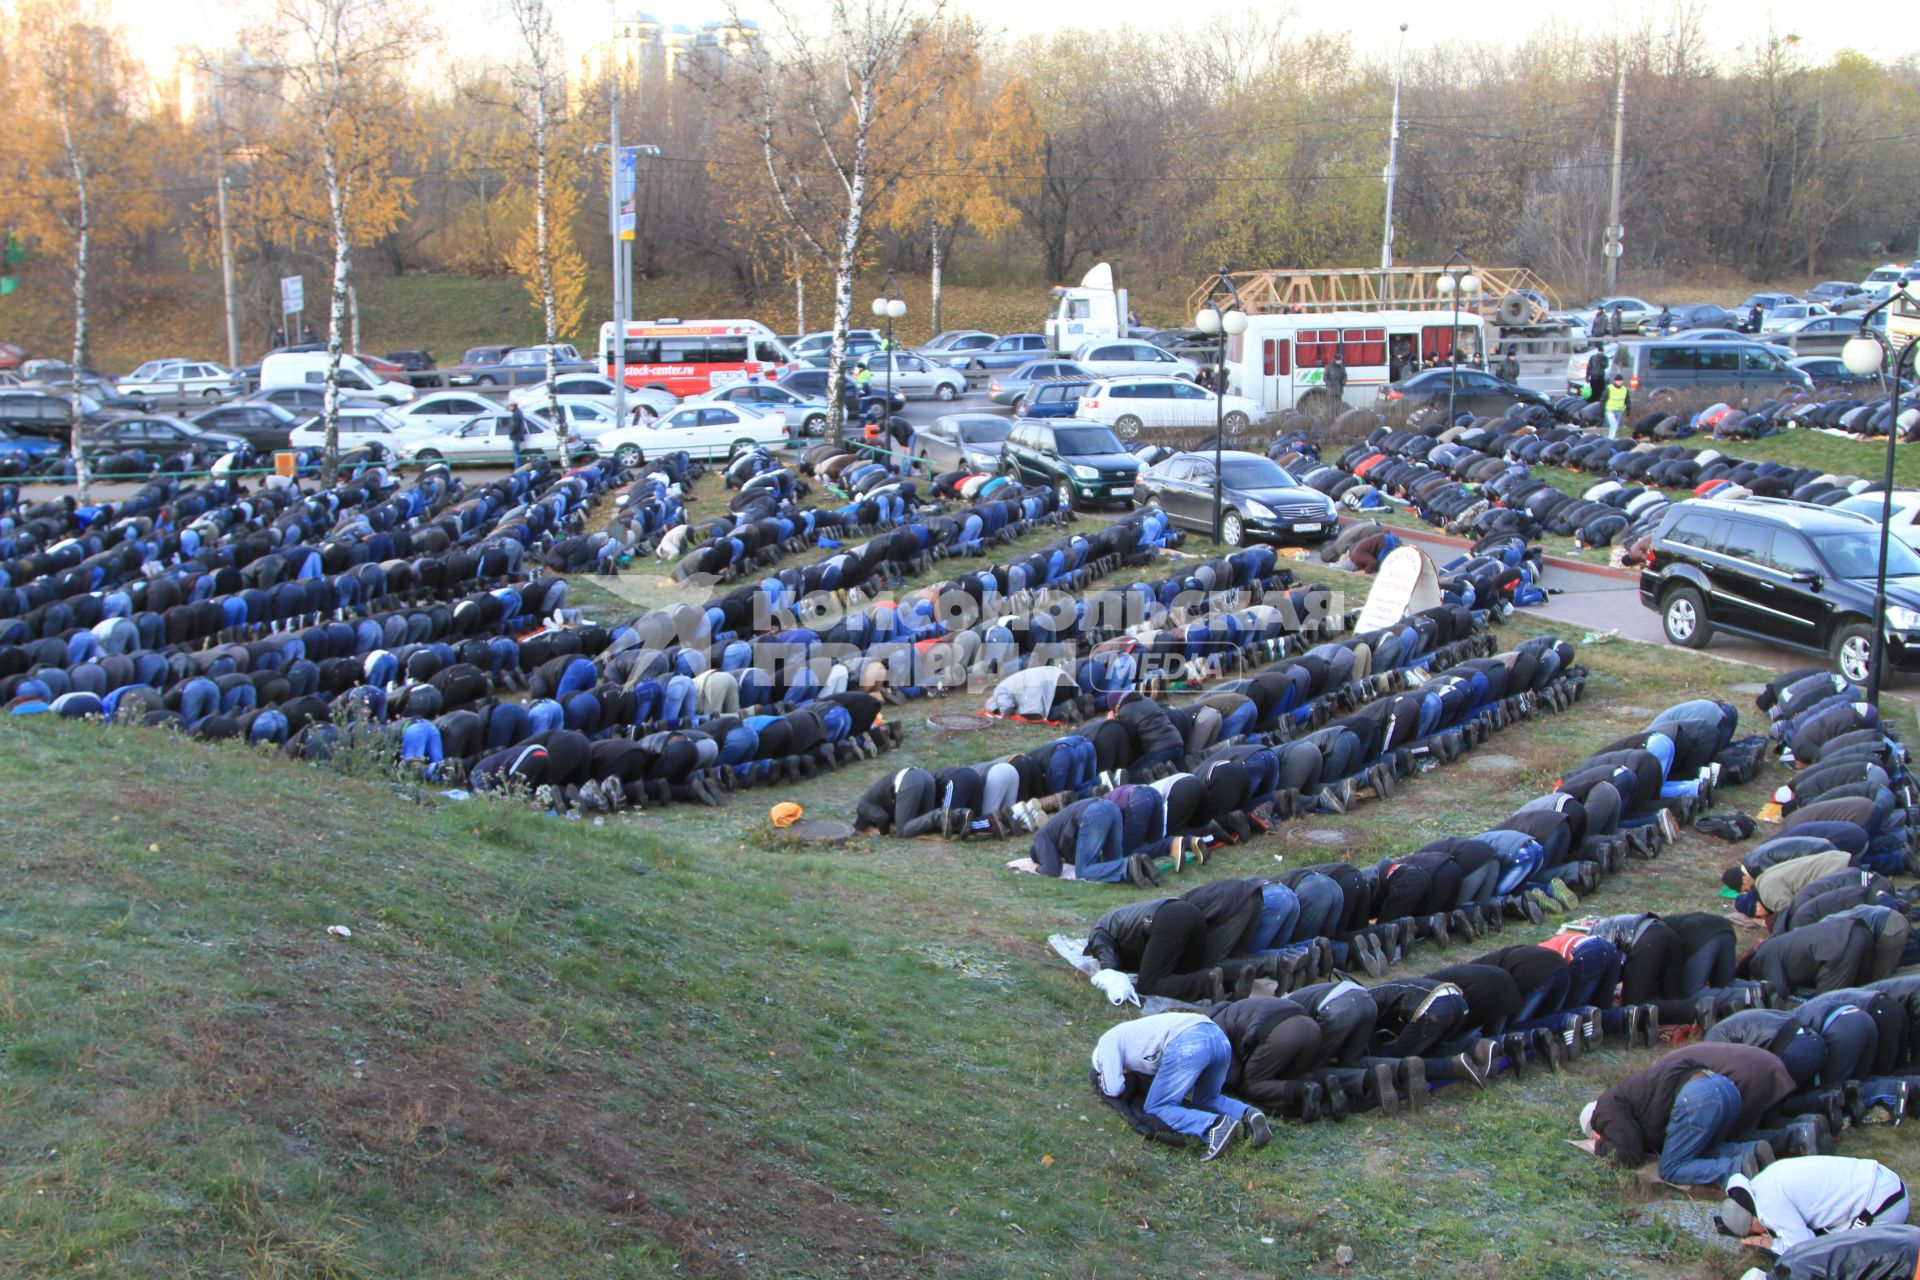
<point>672,1043</point>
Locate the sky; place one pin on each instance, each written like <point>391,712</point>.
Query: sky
<point>1881,28</point>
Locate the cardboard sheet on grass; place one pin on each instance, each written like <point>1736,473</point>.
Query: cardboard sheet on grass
<point>1407,583</point>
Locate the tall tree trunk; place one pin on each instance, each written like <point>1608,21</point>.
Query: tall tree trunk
<point>799,291</point>
<point>935,310</point>
<point>545,260</point>
<point>336,304</point>
<point>353,317</point>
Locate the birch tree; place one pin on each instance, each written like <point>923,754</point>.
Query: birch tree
<point>835,104</point>
<point>336,58</point>
<point>537,92</point>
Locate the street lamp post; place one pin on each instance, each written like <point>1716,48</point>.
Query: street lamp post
<point>1864,355</point>
<point>1221,322</point>
<point>889,307</point>
<point>1453,281</point>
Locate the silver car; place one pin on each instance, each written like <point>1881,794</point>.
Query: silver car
<point>183,382</point>
<point>969,441</point>
<point>1014,388</point>
<point>955,345</point>
<point>803,416</point>
<point>911,375</point>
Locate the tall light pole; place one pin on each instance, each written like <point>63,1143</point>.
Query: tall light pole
<point>1222,322</point>
<point>1864,355</point>
<point>889,307</point>
<point>619,227</point>
<point>1454,281</point>
<point>1392,171</point>
<point>1613,247</point>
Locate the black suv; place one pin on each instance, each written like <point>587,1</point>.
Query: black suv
<point>1082,462</point>
<point>1793,573</point>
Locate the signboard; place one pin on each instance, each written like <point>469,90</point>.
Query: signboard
<point>1407,583</point>
<point>293,294</point>
<point>1903,317</point>
<point>627,181</point>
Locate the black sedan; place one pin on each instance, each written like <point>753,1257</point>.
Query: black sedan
<point>1475,391</point>
<point>812,383</point>
<point>260,423</point>
<point>961,441</point>
<point>158,435</point>
<point>1258,500</point>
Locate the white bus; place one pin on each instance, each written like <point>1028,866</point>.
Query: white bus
<point>1281,360</point>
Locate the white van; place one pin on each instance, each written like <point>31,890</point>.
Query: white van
<point>309,369</point>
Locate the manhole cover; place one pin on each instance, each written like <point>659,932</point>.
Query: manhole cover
<point>1331,837</point>
<point>1480,763</point>
<point>957,722</point>
<point>820,830</point>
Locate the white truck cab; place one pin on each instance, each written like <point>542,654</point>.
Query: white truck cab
<point>1090,311</point>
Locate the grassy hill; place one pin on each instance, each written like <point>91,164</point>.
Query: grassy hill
<point>670,1041</point>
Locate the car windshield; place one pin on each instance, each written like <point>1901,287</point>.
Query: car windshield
<point>985,432</point>
<point>1857,555</point>
<point>1081,442</point>
<point>1257,473</point>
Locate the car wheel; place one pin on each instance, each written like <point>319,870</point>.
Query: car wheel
<point>1232,531</point>
<point>211,393</point>
<point>1063,496</point>
<point>1126,426</point>
<point>1235,423</point>
<point>945,391</point>
<point>484,380</point>
<point>1853,652</point>
<point>1019,406</point>
<point>428,455</point>
<point>737,448</point>
<point>1684,615</point>
<point>629,455</point>
<point>816,425</point>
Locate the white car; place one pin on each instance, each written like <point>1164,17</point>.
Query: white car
<point>1790,313</point>
<point>821,342</point>
<point>1128,404</point>
<point>183,382</point>
<point>911,375</point>
<point>703,430</point>
<point>654,400</point>
<point>590,417</point>
<point>1111,358</point>
<point>489,442</point>
<point>801,414</point>
<point>445,410</point>
<point>357,427</point>
<point>1906,512</point>
<point>955,345</point>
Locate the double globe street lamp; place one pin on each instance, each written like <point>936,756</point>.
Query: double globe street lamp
<point>889,307</point>
<point>1220,322</point>
<point>1455,283</point>
<point>1864,355</point>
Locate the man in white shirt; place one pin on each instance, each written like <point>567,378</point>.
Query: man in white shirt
<point>1188,1057</point>
<point>1791,1201</point>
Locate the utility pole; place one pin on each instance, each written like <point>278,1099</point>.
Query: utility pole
<point>613,220</point>
<point>1392,170</point>
<point>1615,232</point>
<point>226,270</point>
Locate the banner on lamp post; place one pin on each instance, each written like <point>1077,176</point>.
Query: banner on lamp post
<point>625,188</point>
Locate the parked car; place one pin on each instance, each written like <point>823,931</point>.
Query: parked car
<point>1113,359</point>
<point>57,376</point>
<point>1624,314</point>
<point>1789,573</point>
<point>702,430</point>
<point>360,425</point>
<point>910,375</point>
<point>1698,315</point>
<point>1083,462</point>
<point>11,356</point>
<point>515,367</point>
<point>653,400</point>
<point>1258,499</point>
<point>1014,387</point>
<point>447,410</point>
<point>587,417</point>
<point>1818,335</point>
<point>33,412</point>
<point>418,367</point>
<point>1833,292</point>
<point>812,383</point>
<point>1662,368</point>
<point>1475,391</point>
<point>1864,300</point>
<point>1832,371</point>
<point>182,382</point>
<point>1010,352</point>
<point>1887,275</point>
<point>1906,513</point>
<point>804,415</point>
<point>28,449</point>
<point>1054,400</point>
<point>260,423</point>
<point>951,347</point>
<point>964,441</point>
<point>308,400</point>
<point>156,434</point>
<point>818,345</point>
<point>1129,404</point>
<point>488,441</point>
<point>1778,318</point>
<point>1766,302</point>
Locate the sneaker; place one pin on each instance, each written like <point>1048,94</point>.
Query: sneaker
<point>1259,1133</point>
<point>1475,1065</point>
<point>1546,903</point>
<point>1413,1073</point>
<point>1529,908</point>
<point>1669,827</point>
<point>1329,802</point>
<point>1558,888</point>
<point>1220,1135</point>
<point>1548,1049</point>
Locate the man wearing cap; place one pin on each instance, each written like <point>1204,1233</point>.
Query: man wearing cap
<point>1697,1109</point>
<point>1792,1201</point>
<point>1773,889</point>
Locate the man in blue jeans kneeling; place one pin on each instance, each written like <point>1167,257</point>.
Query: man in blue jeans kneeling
<point>1187,1056</point>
